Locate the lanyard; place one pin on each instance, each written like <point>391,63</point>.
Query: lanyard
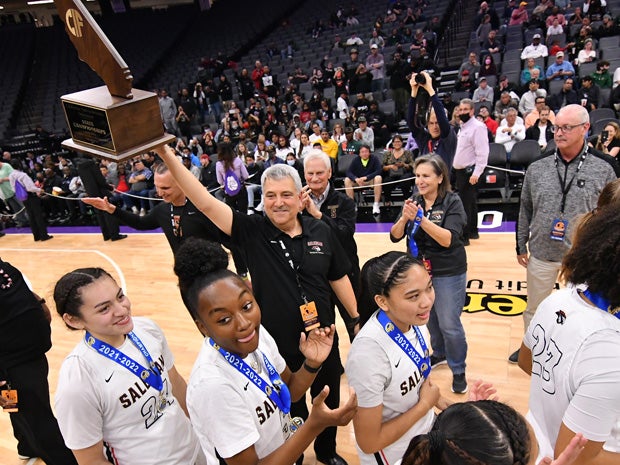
<point>150,376</point>
<point>289,259</point>
<point>432,146</point>
<point>566,187</point>
<point>422,363</point>
<point>602,303</point>
<point>413,246</point>
<point>279,393</point>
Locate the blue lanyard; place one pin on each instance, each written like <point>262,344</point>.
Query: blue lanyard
<point>279,393</point>
<point>422,363</point>
<point>602,303</point>
<point>150,376</point>
<point>413,246</point>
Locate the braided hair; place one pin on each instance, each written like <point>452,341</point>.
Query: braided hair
<point>199,263</point>
<point>67,292</point>
<point>485,432</point>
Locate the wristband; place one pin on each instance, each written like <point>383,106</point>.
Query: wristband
<point>354,321</point>
<point>309,369</point>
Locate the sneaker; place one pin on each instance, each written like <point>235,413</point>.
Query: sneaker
<point>142,212</point>
<point>134,210</point>
<point>514,357</point>
<point>25,457</point>
<point>438,360</point>
<point>250,211</point>
<point>259,207</point>
<point>375,209</point>
<point>459,384</point>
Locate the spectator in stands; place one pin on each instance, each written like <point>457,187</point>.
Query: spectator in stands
<point>270,84</point>
<point>397,166</point>
<point>588,94</point>
<point>361,82</point>
<point>578,42</point>
<point>377,40</point>
<point>587,54</point>
<point>560,69</point>
<point>470,160</point>
<point>577,16</point>
<point>375,63</point>
<point>482,12</point>
<point>364,133</point>
<point>594,8</point>
<point>535,49</point>
<point>510,131</point>
<point>184,123</point>
<point>482,32</point>
<point>351,66</point>
<point>398,71</point>
<point>354,40</point>
<point>490,123</point>
<point>283,147</point>
<point>519,15</point>
<point>543,9</point>
<point>328,145</point>
<point>526,74</point>
<point>488,67</point>
<point>542,129</point>
<point>465,83</point>
<point>436,136</point>
<point>554,29</point>
<point>338,134</point>
<point>140,182</point>
<point>556,14</point>
<point>533,115</point>
<point>566,96</point>
<point>528,99</point>
<point>608,140</point>
<point>168,111</point>
<point>504,85</point>
<point>471,66</point>
<point>608,28</point>
<point>377,121</point>
<point>365,170</point>
<point>484,92</point>
<point>503,104</point>
<point>492,45</point>
<point>508,9</point>
<point>246,86</point>
<point>556,47</point>
<point>350,146</point>
<point>601,75</point>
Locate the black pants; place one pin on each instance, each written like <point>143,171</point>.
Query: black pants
<point>35,214</point>
<point>331,371</point>
<point>238,202</point>
<point>108,224</point>
<point>35,426</point>
<point>469,196</point>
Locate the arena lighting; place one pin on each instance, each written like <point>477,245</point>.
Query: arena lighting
<point>40,2</point>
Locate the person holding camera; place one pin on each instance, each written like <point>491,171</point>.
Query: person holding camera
<point>608,141</point>
<point>436,135</point>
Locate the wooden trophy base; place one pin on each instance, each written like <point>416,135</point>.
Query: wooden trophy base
<point>112,127</point>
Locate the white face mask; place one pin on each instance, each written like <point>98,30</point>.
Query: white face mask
<point>290,162</point>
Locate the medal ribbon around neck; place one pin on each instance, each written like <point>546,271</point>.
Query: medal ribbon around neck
<point>278,393</point>
<point>423,363</point>
<point>601,302</point>
<point>149,375</point>
<point>413,246</point>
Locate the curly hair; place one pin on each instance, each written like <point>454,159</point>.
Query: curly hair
<point>485,432</point>
<point>594,258</point>
<point>199,263</point>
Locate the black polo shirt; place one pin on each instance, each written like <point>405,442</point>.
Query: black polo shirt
<point>318,258</point>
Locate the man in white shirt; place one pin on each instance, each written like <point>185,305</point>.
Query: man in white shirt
<point>535,49</point>
<point>510,130</point>
<point>528,99</point>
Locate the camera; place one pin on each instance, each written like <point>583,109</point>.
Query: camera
<point>420,78</point>
<point>604,136</point>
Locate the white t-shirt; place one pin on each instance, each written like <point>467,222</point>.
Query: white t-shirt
<point>575,370</point>
<point>382,374</point>
<point>228,411</point>
<point>98,399</point>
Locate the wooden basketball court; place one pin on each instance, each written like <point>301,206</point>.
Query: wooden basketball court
<point>142,264</point>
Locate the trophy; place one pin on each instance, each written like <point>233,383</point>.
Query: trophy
<point>113,121</point>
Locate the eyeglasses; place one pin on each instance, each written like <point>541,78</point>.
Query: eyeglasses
<point>567,128</point>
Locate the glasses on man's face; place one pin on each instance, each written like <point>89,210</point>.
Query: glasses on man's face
<point>566,128</point>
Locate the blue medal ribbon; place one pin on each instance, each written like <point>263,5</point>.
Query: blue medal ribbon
<point>150,376</point>
<point>602,303</point>
<point>423,363</point>
<point>278,393</point>
<point>413,246</point>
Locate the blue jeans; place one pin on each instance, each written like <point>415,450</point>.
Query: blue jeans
<point>444,325</point>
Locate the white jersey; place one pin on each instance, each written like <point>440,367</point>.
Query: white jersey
<point>382,374</point>
<point>100,400</point>
<point>575,370</point>
<point>228,411</point>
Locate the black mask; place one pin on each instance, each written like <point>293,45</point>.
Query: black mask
<point>464,117</point>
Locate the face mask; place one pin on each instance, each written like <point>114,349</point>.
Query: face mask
<point>488,62</point>
<point>250,165</point>
<point>464,117</point>
<point>290,162</point>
